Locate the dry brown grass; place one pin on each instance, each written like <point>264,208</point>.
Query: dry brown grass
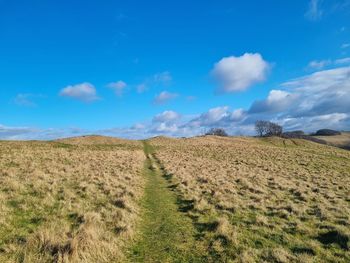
<point>252,200</point>
<point>271,199</point>
<point>74,200</point>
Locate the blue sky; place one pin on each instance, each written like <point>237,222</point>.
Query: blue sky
<point>142,68</point>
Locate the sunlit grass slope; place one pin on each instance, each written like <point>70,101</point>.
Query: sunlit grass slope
<point>271,199</point>
<point>73,200</point>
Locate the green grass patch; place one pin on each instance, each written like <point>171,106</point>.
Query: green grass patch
<point>165,234</point>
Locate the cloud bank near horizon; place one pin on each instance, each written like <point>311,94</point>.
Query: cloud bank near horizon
<point>318,100</point>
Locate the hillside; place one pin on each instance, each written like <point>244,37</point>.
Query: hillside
<point>202,199</point>
<point>341,141</point>
<point>271,199</point>
<point>69,201</point>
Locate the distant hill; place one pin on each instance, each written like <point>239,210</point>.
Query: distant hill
<point>94,140</point>
<point>327,132</point>
<point>341,141</point>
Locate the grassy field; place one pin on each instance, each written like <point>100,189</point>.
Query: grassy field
<point>203,199</point>
<point>342,141</point>
<point>270,199</point>
<point>69,201</point>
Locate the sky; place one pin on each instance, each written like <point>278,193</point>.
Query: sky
<point>136,69</point>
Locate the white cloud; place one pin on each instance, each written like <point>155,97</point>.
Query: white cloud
<point>342,61</point>
<point>165,128</point>
<point>321,80</point>
<point>277,95</point>
<point>314,11</point>
<point>318,100</point>
<point>85,92</point>
<point>238,115</point>
<point>12,133</point>
<point>211,117</point>
<point>118,87</point>
<point>164,97</point>
<point>319,64</point>
<point>276,101</point>
<point>345,45</point>
<point>338,121</point>
<point>29,133</point>
<point>167,117</point>
<point>315,101</point>
<point>321,93</point>
<point>239,73</point>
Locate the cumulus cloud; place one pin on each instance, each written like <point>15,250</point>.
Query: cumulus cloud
<point>85,92</point>
<point>323,92</point>
<point>165,128</point>
<point>318,100</point>
<point>219,117</point>
<point>118,87</point>
<point>315,101</point>
<point>239,73</point>
<point>164,97</point>
<point>238,115</point>
<point>211,117</point>
<point>276,101</point>
<point>314,11</point>
<point>167,117</point>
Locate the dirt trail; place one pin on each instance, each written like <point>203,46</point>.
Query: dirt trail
<point>166,234</point>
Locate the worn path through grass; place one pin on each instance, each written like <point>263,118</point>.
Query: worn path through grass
<point>166,234</point>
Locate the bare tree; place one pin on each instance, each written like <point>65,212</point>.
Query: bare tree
<point>217,132</point>
<point>274,129</point>
<point>261,127</point>
<point>267,128</point>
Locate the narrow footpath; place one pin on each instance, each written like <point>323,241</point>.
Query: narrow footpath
<point>166,234</point>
